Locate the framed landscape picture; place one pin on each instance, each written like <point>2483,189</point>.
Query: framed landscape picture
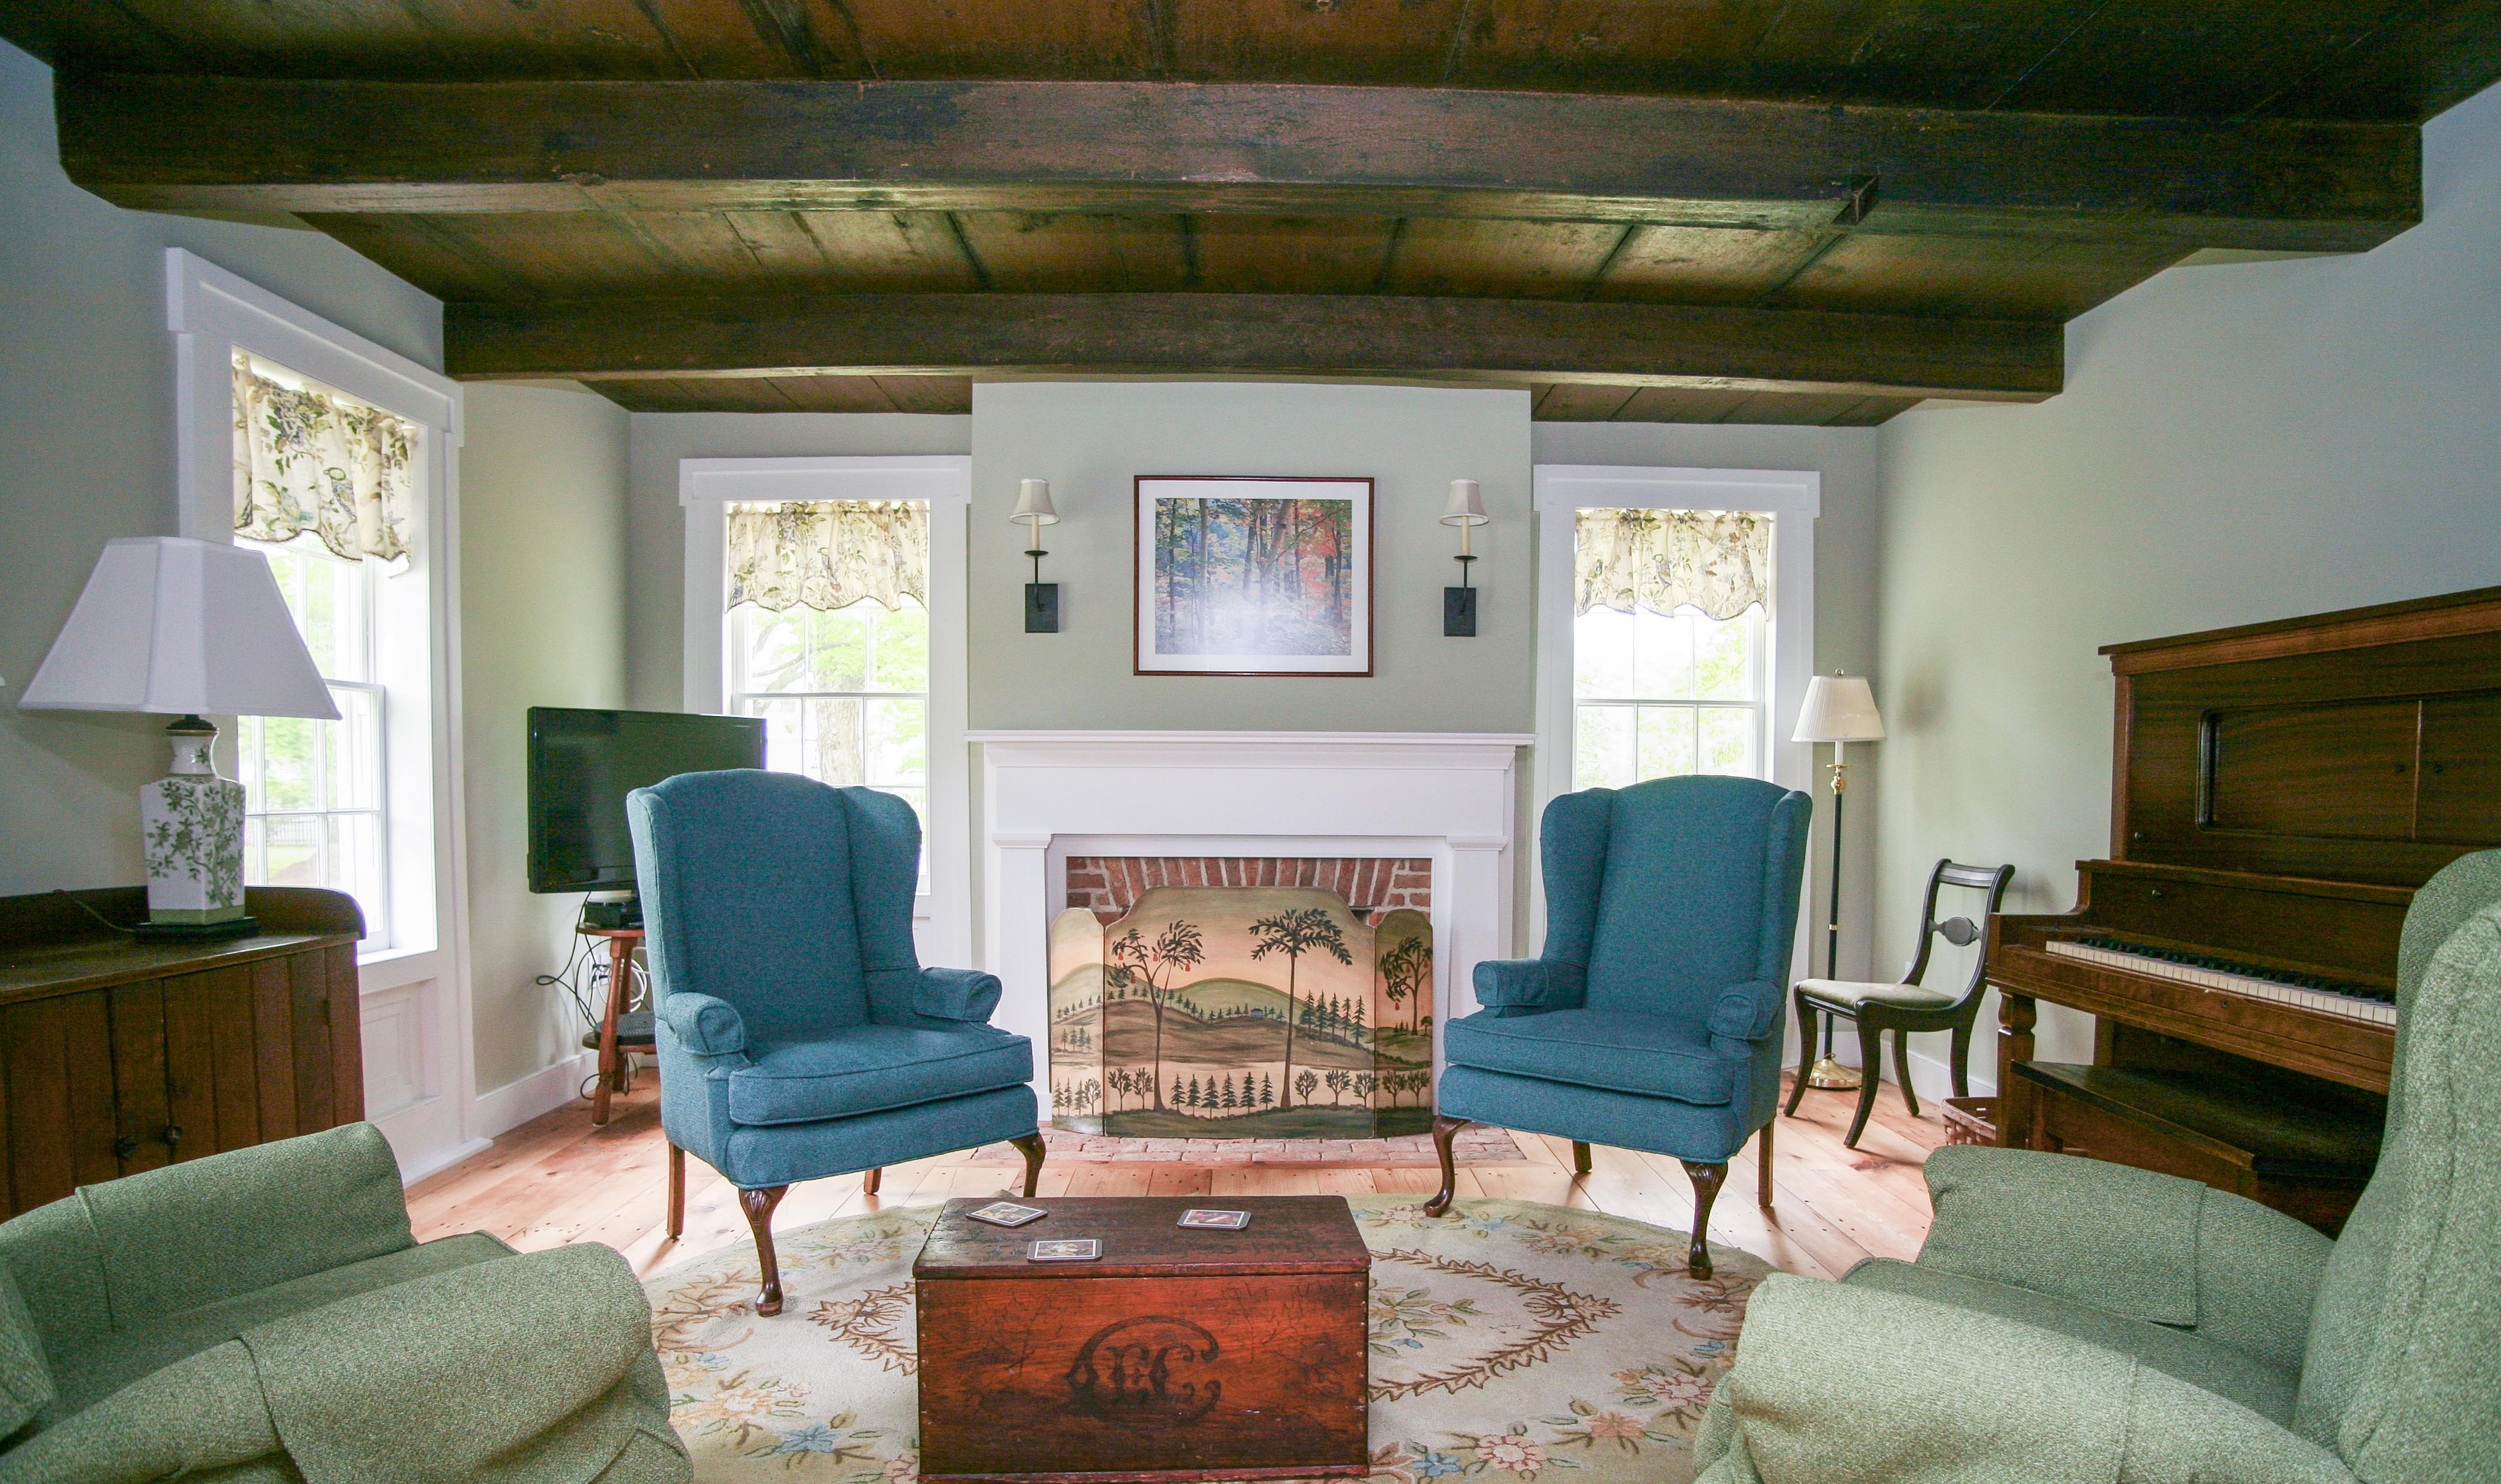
<point>1253,575</point>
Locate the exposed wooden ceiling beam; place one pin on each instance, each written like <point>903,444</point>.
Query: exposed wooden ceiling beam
<point>205,144</point>
<point>1509,340</point>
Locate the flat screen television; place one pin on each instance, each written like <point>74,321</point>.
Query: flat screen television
<point>582,764</point>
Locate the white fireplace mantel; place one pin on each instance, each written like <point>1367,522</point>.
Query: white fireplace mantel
<point>1447,796</point>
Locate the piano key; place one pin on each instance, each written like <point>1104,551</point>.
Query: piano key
<point>2353,1006</point>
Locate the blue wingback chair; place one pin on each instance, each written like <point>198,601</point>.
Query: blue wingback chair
<point>799,1035</point>
<point>1653,1019</point>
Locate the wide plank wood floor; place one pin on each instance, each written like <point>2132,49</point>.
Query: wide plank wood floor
<point>557,1180</point>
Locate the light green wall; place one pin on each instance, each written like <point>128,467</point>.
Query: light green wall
<point>655,569</point>
<point>543,623</point>
<point>1091,439</point>
<point>2235,443</point>
<point>86,454</point>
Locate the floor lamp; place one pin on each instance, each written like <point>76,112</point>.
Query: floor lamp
<point>1839,710</point>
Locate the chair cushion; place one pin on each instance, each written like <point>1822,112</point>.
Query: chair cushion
<point>97,1370</point>
<point>2232,1374</point>
<point>1845,993</point>
<point>1619,1050</point>
<point>868,1069</point>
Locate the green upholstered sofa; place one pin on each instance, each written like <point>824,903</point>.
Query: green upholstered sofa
<point>265,1316</point>
<point>2072,1321</point>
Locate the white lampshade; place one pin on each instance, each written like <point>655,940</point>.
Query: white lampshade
<point>1033,503</point>
<point>1466,507</point>
<point>181,628</point>
<point>1838,707</point>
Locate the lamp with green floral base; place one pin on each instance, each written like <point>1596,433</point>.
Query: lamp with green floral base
<point>191,629</point>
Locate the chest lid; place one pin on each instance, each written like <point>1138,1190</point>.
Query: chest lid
<point>1142,1238</point>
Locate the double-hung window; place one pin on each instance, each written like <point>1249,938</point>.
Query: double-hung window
<point>323,489</point>
<point>1669,671</point>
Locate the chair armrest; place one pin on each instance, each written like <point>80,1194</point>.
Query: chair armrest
<point>1745,1013</point>
<point>1530,984</point>
<point>705,1024</point>
<point>1820,1393</point>
<point>2132,1241</point>
<point>955,994</point>
<point>175,1238</point>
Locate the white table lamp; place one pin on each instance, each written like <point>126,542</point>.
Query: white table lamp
<point>1839,710</point>
<point>185,628</point>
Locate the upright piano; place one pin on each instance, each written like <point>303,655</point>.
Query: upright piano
<point>2278,793</point>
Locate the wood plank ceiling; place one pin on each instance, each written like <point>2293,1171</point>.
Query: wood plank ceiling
<point>1758,210</point>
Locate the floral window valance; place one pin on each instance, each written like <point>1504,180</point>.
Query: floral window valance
<point>1718,561</point>
<point>311,460</point>
<point>828,554</point>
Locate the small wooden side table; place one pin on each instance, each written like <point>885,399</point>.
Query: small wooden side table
<point>615,1037</point>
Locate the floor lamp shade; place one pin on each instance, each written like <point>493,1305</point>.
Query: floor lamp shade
<point>187,628</point>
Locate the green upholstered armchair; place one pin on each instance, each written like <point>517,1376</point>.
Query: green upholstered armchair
<point>265,1316</point>
<point>2075,1321</point>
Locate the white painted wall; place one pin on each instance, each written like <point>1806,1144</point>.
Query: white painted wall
<point>543,617</point>
<point>2236,443</point>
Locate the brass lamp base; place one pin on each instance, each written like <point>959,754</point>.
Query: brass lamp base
<point>1831,1075</point>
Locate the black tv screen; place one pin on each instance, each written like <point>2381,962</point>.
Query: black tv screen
<point>582,764</point>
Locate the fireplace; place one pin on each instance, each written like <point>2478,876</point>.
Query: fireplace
<point>1243,997</point>
<point>1390,839</point>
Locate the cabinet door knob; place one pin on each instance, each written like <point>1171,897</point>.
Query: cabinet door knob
<point>124,1147</point>
<point>172,1135</point>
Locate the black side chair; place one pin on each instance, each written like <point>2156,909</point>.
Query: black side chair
<point>1907,1006</point>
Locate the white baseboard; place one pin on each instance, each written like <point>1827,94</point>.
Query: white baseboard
<point>1933,1080</point>
<point>442,1159</point>
<point>543,1091</point>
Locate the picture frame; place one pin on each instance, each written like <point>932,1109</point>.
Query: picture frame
<point>1254,575</point>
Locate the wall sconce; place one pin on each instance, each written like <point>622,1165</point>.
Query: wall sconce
<point>1041,598</point>
<point>1466,510</point>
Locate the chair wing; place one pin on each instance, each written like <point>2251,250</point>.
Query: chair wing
<point>748,880</point>
<point>1699,892</point>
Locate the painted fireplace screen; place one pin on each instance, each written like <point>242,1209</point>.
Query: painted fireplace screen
<point>1242,1012</point>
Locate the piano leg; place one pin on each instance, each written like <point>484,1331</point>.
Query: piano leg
<point>2016,1016</point>
<point>1902,1070</point>
<point>1806,1054</point>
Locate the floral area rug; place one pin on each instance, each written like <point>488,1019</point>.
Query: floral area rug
<point>1477,1145</point>
<point>1510,1342</point>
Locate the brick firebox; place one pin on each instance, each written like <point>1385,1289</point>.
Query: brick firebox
<point>1109,885</point>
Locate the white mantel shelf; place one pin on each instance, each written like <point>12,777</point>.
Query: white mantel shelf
<point>1447,796</point>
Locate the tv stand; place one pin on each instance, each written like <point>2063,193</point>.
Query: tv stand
<point>618,1032</point>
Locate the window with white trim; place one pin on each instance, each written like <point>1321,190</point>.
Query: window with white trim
<point>1659,686</point>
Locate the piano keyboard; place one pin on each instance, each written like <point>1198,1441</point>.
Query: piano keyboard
<point>2352,1002</point>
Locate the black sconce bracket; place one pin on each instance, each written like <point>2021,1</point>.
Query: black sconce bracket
<point>1459,604</point>
<point>1040,600</point>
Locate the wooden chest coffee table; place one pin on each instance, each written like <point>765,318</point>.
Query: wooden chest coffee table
<point>1177,1355</point>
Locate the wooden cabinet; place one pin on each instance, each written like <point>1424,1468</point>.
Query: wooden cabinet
<point>119,1056</point>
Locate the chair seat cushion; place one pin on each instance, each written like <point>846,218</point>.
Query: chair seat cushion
<point>2265,1389</point>
<point>1619,1050</point>
<point>869,1069</point>
<point>1845,993</point>
<point>97,1370</point>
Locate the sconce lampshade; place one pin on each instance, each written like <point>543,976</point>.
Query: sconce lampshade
<point>1466,507</point>
<point>1839,708</point>
<point>1033,503</point>
<point>181,628</point>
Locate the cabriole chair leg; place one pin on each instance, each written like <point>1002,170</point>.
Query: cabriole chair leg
<point>1032,1146</point>
<point>1705,1180</point>
<point>759,1205</point>
<point>1443,1131</point>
